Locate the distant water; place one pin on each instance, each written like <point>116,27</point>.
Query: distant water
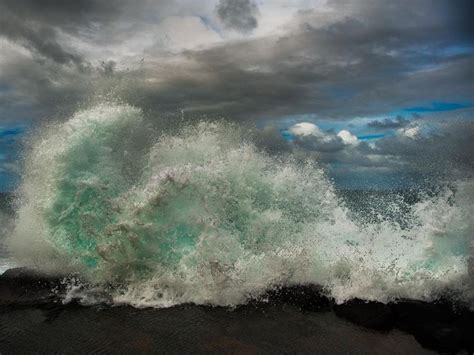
<point>203,216</point>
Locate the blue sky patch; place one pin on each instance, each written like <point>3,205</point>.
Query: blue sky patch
<point>286,135</point>
<point>438,106</point>
<point>369,137</point>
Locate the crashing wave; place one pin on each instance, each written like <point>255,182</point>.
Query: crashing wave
<point>203,216</point>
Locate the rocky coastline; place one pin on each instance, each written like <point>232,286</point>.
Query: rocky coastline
<point>34,317</point>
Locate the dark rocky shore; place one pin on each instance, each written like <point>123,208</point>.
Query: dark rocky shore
<point>33,319</point>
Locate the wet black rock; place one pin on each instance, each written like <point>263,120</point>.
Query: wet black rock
<point>302,312</point>
<point>440,325</point>
<point>372,315</point>
<point>21,287</point>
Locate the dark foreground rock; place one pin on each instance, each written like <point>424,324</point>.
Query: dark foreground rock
<point>297,319</point>
<point>440,326</point>
<point>22,287</point>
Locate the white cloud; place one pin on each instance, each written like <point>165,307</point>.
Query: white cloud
<point>306,129</point>
<point>347,137</point>
<point>311,137</point>
<point>409,132</point>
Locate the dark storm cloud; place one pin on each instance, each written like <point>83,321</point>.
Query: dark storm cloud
<point>376,59</point>
<point>36,37</point>
<point>342,70</point>
<point>67,14</point>
<point>40,89</point>
<point>367,58</point>
<point>389,123</point>
<point>461,16</point>
<point>240,15</point>
<point>35,24</point>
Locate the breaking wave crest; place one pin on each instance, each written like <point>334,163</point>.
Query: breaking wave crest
<point>203,216</point>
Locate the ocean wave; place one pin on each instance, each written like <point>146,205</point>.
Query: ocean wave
<point>203,216</point>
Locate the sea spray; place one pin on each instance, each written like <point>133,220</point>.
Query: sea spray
<point>203,216</point>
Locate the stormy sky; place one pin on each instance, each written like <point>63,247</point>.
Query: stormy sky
<point>380,92</point>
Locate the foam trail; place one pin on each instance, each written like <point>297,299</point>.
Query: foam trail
<point>203,217</point>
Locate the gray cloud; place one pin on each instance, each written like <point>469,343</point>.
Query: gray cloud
<point>240,15</point>
<point>444,152</point>
<point>66,14</point>
<point>369,59</point>
<point>316,70</point>
<point>362,63</point>
<point>40,39</point>
<point>36,25</point>
<point>389,123</point>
